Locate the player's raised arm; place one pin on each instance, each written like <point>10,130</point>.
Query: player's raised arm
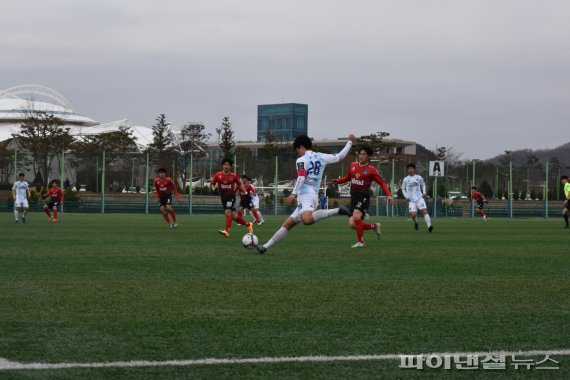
<point>334,158</point>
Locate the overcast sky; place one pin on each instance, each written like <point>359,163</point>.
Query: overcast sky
<point>481,76</point>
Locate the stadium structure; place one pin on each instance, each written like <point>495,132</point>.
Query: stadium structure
<point>17,102</point>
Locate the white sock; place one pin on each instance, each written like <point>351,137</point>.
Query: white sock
<point>323,214</point>
<point>16,214</point>
<point>428,220</point>
<point>260,216</point>
<point>25,213</point>
<point>277,237</point>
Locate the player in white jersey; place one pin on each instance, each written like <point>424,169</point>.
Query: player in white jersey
<point>310,168</point>
<point>414,189</point>
<point>21,194</point>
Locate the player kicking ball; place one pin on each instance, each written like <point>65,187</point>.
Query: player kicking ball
<point>414,189</point>
<point>361,174</point>
<point>310,168</point>
<point>165,186</point>
<point>21,194</point>
<point>564,180</point>
<point>53,198</point>
<point>228,183</point>
<point>246,200</point>
<point>480,199</point>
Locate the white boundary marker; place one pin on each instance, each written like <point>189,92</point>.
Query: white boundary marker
<point>6,365</point>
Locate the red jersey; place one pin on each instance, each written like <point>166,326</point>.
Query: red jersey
<point>249,190</point>
<point>361,178</point>
<point>478,196</point>
<point>164,187</point>
<point>227,183</point>
<point>55,193</point>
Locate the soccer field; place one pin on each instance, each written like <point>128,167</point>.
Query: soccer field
<point>123,287</point>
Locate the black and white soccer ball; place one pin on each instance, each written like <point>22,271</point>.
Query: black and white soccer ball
<point>249,241</point>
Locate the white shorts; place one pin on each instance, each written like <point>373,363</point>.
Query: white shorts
<point>305,202</point>
<point>23,203</point>
<point>417,205</point>
<point>255,201</point>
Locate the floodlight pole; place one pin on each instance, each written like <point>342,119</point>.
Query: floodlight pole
<point>276,185</point>
<point>103,185</point>
<point>392,182</point>
<point>511,189</point>
<point>147,187</point>
<point>97,174</point>
<point>497,184</point>
<point>546,192</point>
<point>435,197</point>
<point>190,175</point>
<point>62,173</point>
<point>15,164</point>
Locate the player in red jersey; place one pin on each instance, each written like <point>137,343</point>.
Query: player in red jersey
<point>480,199</point>
<point>246,199</point>
<point>53,198</point>
<point>361,175</point>
<point>165,186</point>
<point>228,183</point>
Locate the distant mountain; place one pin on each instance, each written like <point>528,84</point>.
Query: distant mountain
<point>519,156</point>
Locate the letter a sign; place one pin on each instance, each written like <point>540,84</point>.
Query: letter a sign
<point>437,168</point>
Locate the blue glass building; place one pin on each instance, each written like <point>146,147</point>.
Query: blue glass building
<point>285,121</point>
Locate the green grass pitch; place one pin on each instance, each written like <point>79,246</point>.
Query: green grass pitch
<point>116,287</point>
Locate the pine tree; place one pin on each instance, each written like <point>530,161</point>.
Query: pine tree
<point>227,137</point>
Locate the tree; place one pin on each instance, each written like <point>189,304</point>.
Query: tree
<point>43,135</point>
<point>375,141</point>
<point>162,140</point>
<point>486,189</point>
<point>227,137</point>
<point>193,141</point>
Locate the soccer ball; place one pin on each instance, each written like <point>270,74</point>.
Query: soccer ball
<point>249,241</point>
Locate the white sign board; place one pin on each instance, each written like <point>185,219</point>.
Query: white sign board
<point>437,168</point>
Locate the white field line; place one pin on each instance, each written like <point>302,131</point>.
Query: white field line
<point>9,365</point>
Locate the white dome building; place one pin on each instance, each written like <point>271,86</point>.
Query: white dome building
<point>17,102</point>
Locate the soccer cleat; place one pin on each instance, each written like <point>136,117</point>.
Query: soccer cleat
<point>566,226</point>
<point>171,225</point>
<point>175,225</point>
<point>54,220</point>
<point>260,222</point>
<point>261,249</point>
<point>486,218</point>
<point>24,220</point>
<point>250,227</point>
<point>416,226</point>
<point>430,228</point>
<point>359,245</point>
<point>50,218</point>
<point>17,221</point>
<point>377,230</point>
<point>344,211</point>
<point>224,232</point>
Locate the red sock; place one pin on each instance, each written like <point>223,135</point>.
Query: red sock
<point>228,221</point>
<point>165,216</point>
<point>358,225</point>
<point>368,226</point>
<point>482,213</point>
<point>47,212</point>
<point>255,215</point>
<point>55,213</point>
<point>173,215</point>
<point>240,220</point>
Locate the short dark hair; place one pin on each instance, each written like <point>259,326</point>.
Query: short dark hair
<point>161,170</point>
<point>367,149</point>
<point>21,175</point>
<point>246,177</point>
<point>228,160</point>
<point>302,140</point>
<point>411,165</point>
<point>564,177</point>
<point>55,181</point>
<point>474,188</point>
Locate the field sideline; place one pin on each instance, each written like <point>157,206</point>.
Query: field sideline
<point>123,287</point>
